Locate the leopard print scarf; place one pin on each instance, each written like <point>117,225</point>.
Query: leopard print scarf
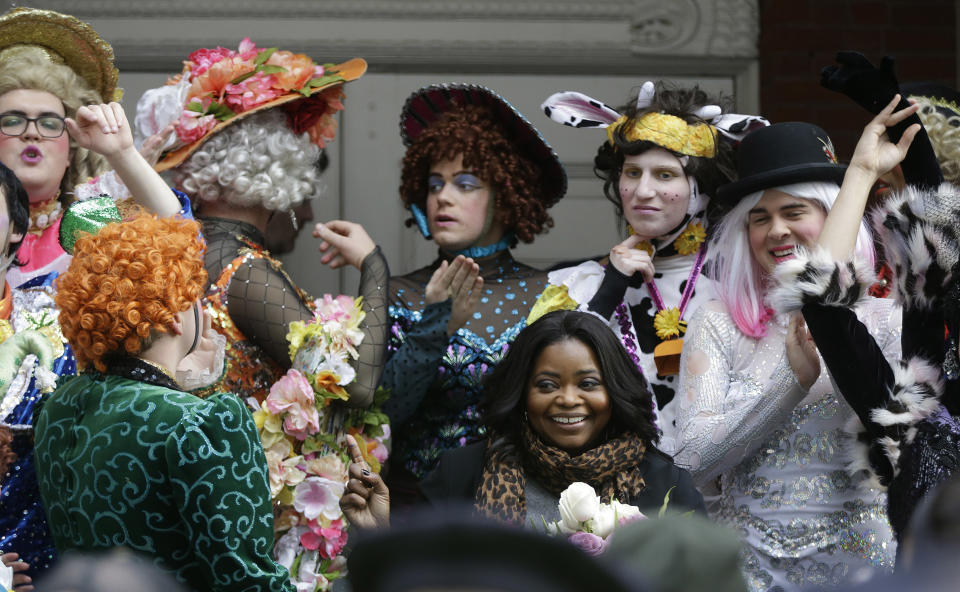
<point>611,468</point>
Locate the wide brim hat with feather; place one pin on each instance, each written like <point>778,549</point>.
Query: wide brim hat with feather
<point>220,87</point>
<point>65,40</point>
<point>427,104</point>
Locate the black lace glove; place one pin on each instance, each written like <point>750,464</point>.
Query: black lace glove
<point>872,88</point>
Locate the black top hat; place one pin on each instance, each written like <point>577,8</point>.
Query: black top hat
<point>426,105</point>
<point>783,154</point>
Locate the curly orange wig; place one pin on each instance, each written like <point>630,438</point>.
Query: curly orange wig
<point>129,279</point>
<point>476,134</point>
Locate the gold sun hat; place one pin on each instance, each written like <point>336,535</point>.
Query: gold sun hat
<point>65,40</point>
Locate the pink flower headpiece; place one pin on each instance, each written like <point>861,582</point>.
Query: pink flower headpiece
<point>219,87</point>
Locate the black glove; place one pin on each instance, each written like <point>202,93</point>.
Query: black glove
<point>872,88</point>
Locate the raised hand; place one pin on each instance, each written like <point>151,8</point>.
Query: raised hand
<point>802,352</point>
<point>366,501</point>
<point>629,260</point>
<point>343,243</point>
<point>101,128</point>
<point>460,280</point>
<point>875,154</point>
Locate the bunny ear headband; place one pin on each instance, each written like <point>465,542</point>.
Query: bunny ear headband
<point>673,133</point>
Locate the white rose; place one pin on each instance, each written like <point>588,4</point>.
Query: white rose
<point>625,510</point>
<point>578,503</point>
<point>604,522</point>
<point>627,513</point>
<point>159,107</point>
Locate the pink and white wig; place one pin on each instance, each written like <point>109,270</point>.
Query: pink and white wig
<point>740,282</point>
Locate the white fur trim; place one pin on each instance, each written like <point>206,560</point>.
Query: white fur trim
<point>922,241</point>
<point>814,276</point>
<point>915,395</point>
<point>858,456</point>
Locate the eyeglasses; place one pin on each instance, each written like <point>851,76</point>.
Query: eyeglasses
<point>48,126</point>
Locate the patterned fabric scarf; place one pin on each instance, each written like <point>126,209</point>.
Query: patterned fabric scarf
<point>611,468</point>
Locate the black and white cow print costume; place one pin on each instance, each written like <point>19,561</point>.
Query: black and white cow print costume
<point>626,303</point>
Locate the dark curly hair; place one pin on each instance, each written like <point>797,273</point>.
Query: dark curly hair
<point>476,134</point>
<point>505,388</point>
<point>710,173</point>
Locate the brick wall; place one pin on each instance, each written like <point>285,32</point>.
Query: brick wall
<point>798,37</point>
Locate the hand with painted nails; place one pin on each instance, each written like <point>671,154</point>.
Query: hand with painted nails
<point>366,501</point>
<point>101,128</point>
<point>343,243</point>
<point>460,280</point>
<point>802,352</point>
<point>629,260</point>
<point>21,581</point>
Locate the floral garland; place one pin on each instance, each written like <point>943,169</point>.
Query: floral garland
<point>218,84</point>
<point>302,428</point>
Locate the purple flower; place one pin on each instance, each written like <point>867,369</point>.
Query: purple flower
<point>590,544</point>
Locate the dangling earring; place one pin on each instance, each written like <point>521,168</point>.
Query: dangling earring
<point>293,220</point>
<point>421,219</point>
<point>526,418</point>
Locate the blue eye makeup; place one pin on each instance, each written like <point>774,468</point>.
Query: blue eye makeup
<point>435,184</point>
<point>467,181</point>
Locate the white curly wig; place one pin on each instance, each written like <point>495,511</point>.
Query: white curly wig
<point>257,161</point>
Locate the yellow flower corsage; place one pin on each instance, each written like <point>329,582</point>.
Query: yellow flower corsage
<point>668,323</point>
<point>642,245</point>
<point>690,239</point>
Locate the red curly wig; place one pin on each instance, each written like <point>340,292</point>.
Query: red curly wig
<point>479,137</point>
<point>129,279</point>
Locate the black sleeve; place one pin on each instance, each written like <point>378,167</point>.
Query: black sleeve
<point>662,476</point>
<point>853,357</point>
<point>610,293</point>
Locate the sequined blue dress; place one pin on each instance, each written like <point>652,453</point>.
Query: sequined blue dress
<point>23,524</point>
<point>436,379</point>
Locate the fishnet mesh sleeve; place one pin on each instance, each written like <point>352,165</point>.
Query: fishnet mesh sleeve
<point>374,287</point>
<point>262,302</point>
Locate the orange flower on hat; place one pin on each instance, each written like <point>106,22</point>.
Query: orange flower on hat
<point>217,77</point>
<point>299,69</point>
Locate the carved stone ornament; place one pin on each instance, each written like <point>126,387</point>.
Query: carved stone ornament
<point>435,35</point>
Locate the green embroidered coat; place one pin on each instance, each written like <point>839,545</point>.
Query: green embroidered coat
<point>138,464</point>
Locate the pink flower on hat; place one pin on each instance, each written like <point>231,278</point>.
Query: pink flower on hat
<point>193,125</point>
<point>252,92</point>
<point>203,58</point>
